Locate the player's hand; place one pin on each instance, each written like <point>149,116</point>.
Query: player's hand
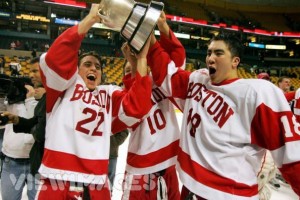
<point>162,20</point>
<point>129,55</point>
<point>94,12</point>
<point>162,24</point>
<point>86,24</point>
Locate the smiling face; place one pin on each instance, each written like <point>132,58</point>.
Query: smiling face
<point>284,84</point>
<point>220,61</point>
<point>90,71</point>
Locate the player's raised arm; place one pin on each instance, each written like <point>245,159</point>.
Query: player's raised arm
<point>164,71</point>
<point>130,58</point>
<point>170,42</point>
<point>129,108</point>
<point>85,25</point>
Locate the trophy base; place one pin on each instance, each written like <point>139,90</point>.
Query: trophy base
<point>140,24</point>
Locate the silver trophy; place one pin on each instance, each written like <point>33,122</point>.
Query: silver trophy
<point>135,21</point>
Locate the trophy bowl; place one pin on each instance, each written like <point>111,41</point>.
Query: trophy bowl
<point>135,21</point>
<point>114,13</point>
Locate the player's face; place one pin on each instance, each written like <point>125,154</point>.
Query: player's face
<point>220,63</point>
<point>35,75</point>
<point>285,84</point>
<point>90,71</point>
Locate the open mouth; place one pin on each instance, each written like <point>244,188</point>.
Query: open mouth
<point>91,77</point>
<point>212,70</point>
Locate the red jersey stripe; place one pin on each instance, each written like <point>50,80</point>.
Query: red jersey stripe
<point>213,180</point>
<point>153,158</point>
<point>69,162</point>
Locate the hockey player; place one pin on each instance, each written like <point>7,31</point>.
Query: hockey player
<point>228,123</point>
<point>153,144</point>
<point>80,113</point>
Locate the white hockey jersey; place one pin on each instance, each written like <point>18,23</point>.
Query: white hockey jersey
<point>153,144</point>
<point>79,120</point>
<point>226,129</point>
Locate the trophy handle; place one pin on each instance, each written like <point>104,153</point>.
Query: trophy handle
<point>103,17</point>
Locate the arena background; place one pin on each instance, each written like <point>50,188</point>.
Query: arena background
<point>269,29</point>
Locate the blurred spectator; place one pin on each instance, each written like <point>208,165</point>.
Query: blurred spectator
<point>103,61</point>
<point>18,44</point>
<point>104,77</point>
<point>15,149</point>
<point>26,46</point>
<point>36,124</point>
<point>264,76</point>
<point>46,47</point>
<point>293,75</point>
<point>117,53</point>
<point>113,52</point>
<point>198,64</point>
<point>2,108</point>
<point>2,64</point>
<point>34,46</point>
<point>80,51</point>
<point>15,68</point>
<point>284,83</point>
<point>33,53</point>
<point>13,45</point>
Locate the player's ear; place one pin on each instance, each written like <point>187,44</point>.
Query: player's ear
<point>235,62</point>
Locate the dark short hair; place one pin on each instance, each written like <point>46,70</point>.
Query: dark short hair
<point>233,43</point>
<point>281,79</point>
<point>90,53</point>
